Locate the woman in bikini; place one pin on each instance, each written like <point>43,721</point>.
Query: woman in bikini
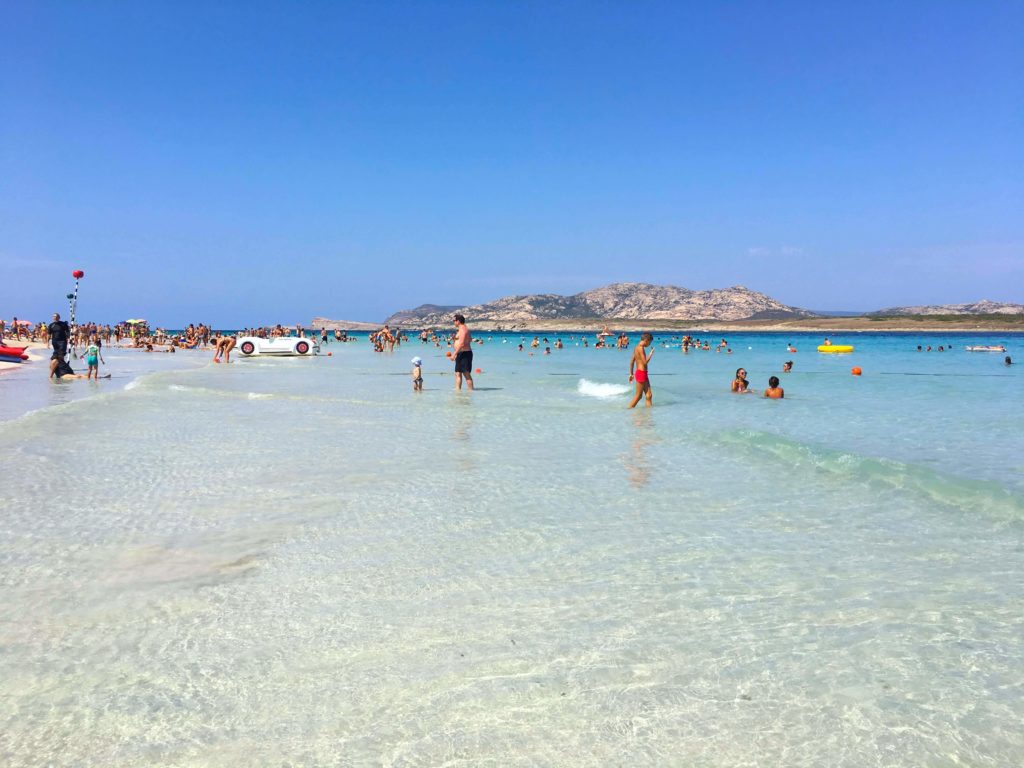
<point>740,384</point>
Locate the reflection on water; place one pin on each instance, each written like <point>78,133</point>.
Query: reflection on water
<point>464,418</point>
<point>636,460</point>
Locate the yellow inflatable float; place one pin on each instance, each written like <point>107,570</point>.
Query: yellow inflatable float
<point>835,348</point>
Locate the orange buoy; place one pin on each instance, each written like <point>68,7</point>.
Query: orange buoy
<point>478,371</point>
<point>329,354</point>
<point>855,370</point>
<point>447,354</point>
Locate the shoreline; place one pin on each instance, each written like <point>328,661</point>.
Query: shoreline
<point>27,386</point>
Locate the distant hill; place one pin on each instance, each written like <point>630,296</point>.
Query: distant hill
<point>407,316</point>
<point>619,301</point>
<point>983,307</point>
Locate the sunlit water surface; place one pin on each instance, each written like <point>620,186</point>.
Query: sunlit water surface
<point>302,562</point>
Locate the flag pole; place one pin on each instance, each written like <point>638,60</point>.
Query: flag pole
<point>73,307</point>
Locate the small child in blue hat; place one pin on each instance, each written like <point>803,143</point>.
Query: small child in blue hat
<point>417,374</point>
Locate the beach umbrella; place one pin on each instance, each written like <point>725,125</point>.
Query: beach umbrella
<point>134,322</point>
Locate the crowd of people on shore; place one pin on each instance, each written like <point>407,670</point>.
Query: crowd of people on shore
<point>130,333</point>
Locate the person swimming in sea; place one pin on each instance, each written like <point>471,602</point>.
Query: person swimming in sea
<point>787,366</point>
<point>638,370</point>
<point>774,391</point>
<point>740,385</point>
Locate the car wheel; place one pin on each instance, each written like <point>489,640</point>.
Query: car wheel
<point>247,347</point>
<point>302,347</point>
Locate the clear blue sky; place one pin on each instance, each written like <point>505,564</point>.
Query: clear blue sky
<point>259,162</point>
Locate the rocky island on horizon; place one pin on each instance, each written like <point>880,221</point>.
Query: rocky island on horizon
<point>636,305</point>
<point>983,307</point>
<point>615,302</point>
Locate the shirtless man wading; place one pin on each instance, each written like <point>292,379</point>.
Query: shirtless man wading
<point>463,354</point>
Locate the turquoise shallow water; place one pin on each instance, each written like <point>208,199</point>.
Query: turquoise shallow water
<point>303,562</point>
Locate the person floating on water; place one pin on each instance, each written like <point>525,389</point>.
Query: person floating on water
<point>463,353</point>
<point>638,370</point>
<point>774,391</point>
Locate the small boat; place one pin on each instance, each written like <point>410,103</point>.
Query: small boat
<point>992,348</point>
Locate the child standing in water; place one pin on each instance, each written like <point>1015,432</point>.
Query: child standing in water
<point>93,358</point>
<point>417,375</point>
<point>640,360</point>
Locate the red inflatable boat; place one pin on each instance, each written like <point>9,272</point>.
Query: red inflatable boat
<point>12,354</point>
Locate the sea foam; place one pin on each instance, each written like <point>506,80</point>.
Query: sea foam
<point>601,389</point>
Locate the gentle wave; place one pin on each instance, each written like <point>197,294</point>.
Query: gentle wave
<point>831,465</point>
<point>601,389</point>
<point>213,392</point>
<point>223,392</point>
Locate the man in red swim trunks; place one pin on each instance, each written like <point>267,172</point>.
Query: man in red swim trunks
<point>640,360</point>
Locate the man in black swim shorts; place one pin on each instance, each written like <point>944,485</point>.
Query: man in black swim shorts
<point>59,335</point>
<point>463,354</point>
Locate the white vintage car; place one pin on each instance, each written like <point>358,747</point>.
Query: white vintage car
<point>277,346</point>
